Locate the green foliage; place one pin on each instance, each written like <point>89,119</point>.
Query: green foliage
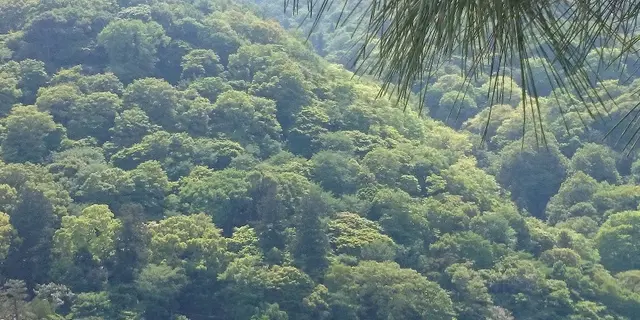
<point>30,135</point>
<point>353,235</point>
<point>532,176</point>
<point>94,229</point>
<point>336,172</point>
<point>596,161</point>
<point>253,284</point>
<point>130,127</point>
<point>385,165</point>
<point>156,97</point>
<point>13,300</point>
<point>400,216</point>
<point>257,117</point>
<point>160,285</point>
<point>630,280</point>
<point>94,116</point>
<point>83,245</point>
<point>132,47</point>
<point>92,305</point>
<point>150,187</point>
<point>471,288</point>
<point>495,227</point>
<point>311,243</point>
<point>29,256</point>
<point>461,247</point>
<point>221,194</point>
<point>574,199</point>
<point>6,235</point>
<point>271,312</point>
<point>189,242</point>
<point>210,87</point>
<point>194,160</point>
<point>454,107</point>
<point>512,279</point>
<point>617,240</point>
<point>464,179</point>
<point>200,63</point>
<point>310,125</point>
<point>59,101</point>
<point>9,93</point>
<point>374,290</point>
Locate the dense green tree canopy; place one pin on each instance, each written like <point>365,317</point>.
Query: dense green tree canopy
<point>194,159</point>
<point>132,47</point>
<point>374,290</point>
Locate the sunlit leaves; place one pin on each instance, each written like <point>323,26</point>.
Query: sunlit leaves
<point>200,63</point>
<point>191,242</point>
<point>616,241</point>
<point>30,135</point>
<point>94,230</point>
<point>132,47</point>
<point>386,290</point>
<point>6,235</point>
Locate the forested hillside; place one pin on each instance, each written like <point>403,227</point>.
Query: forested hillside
<point>192,159</point>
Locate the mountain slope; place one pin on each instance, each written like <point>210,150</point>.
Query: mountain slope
<point>189,160</point>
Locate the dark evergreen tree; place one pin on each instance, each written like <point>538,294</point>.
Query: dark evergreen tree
<point>311,243</point>
<point>13,301</point>
<point>29,257</point>
<point>271,212</point>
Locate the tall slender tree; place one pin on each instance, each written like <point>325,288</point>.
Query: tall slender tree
<point>29,256</point>
<point>13,301</point>
<point>312,244</point>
